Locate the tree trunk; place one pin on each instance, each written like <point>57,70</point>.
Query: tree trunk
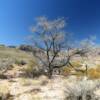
<point>79,98</point>
<point>50,74</point>
<point>86,70</point>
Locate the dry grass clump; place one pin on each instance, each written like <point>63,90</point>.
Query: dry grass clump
<point>4,91</point>
<point>94,73</point>
<point>77,70</point>
<point>76,64</point>
<point>29,96</point>
<point>28,81</point>
<point>66,70</point>
<point>79,74</point>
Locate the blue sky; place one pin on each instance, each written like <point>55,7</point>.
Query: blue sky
<point>16,16</point>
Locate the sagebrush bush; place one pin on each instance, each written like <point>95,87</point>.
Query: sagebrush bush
<point>81,90</point>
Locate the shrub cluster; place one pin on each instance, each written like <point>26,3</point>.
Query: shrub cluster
<point>82,90</point>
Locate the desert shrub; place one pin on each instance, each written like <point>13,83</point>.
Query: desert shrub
<point>2,76</point>
<point>81,90</point>
<point>6,62</point>
<point>12,46</point>
<point>20,62</point>
<point>23,62</point>
<point>17,62</point>
<point>32,70</point>
<point>26,48</point>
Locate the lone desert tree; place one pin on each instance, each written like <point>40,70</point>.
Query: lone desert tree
<point>51,39</point>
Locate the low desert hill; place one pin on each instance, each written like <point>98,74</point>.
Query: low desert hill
<point>17,81</point>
